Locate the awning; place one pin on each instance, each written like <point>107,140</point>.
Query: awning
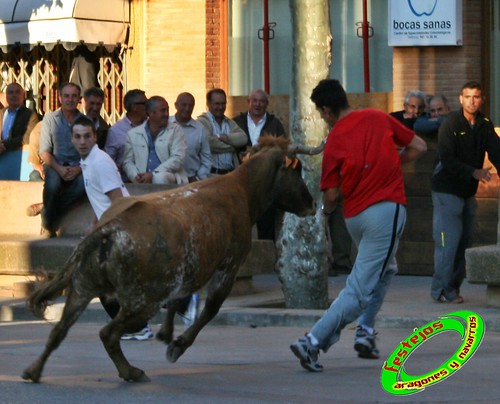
<point>69,22</point>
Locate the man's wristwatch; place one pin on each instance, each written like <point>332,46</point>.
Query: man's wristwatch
<point>324,211</point>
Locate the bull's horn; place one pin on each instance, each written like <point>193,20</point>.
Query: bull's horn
<point>303,149</point>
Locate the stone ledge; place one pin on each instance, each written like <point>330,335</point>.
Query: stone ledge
<point>482,266</point>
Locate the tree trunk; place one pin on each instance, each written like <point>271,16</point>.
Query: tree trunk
<point>302,262</point>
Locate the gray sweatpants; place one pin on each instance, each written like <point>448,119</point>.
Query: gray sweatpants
<point>376,232</point>
<point>453,226</point>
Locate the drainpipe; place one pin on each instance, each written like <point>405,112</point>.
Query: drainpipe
<point>266,33</point>
<point>366,33</point>
<point>266,46</point>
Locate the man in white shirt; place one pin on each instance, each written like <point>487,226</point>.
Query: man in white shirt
<point>103,185</point>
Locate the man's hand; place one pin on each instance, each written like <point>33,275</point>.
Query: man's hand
<point>483,174</point>
<point>144,178</point>
<point>330,200</point>
<point>39,168</point>
<point>68,173</point>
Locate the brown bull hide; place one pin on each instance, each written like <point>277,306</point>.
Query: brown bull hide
<point>165,246</point>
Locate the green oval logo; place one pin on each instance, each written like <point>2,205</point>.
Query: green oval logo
<point>394,378</point>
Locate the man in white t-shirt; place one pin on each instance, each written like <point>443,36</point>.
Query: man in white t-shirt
<point>103,184</point>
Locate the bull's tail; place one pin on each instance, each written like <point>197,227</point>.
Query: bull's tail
<point>50,290</point>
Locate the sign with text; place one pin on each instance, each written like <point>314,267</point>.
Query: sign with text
<point>425,23</point>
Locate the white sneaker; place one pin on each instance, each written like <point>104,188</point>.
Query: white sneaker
<point>192,310</point>
<point>142,335</point>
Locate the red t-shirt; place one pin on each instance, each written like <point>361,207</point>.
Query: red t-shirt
<point>361,156</point>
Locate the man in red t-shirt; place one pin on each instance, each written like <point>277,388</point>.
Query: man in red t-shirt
<point>362,157</point>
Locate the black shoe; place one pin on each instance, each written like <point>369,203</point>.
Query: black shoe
<point>34,210</point>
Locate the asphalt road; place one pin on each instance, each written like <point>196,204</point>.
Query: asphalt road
<point>233,364</point>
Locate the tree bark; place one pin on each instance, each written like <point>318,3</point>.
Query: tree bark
<point>302,262</point>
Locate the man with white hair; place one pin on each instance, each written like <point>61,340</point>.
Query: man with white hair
<point>414,106</point>
<point>255,123</point>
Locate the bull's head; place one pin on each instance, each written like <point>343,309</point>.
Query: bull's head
<point>291,192</point>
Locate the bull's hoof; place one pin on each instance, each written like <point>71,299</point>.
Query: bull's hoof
<point>28,374</point>
<point>175,350</point>
<point>135,375</point>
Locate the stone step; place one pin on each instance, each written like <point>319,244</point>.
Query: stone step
<point>27,256</point>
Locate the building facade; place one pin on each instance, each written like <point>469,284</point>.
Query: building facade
<point>166,47</point>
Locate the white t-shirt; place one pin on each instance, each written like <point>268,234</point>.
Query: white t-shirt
<point>100,175</point>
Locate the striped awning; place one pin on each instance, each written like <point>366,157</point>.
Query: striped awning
<point>68,22</point>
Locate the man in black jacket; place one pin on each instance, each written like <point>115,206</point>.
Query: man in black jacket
<point>16,121</point>
<point>464,138</point>
<point>256,122</point>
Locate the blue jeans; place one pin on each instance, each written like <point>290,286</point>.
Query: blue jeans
<point>453,226</point>
<point>376,232</point>
<point>58,196</point>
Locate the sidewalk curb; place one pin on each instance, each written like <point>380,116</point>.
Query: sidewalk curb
<point>407,305</point>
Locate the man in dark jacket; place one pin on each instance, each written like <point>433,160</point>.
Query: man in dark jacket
<point>256,122</point>
<point>16,121</point>
<point>93,98</point>
<point>464,138</point>
<point>413,107</point>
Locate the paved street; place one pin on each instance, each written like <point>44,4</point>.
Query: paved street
<point>232,364</point>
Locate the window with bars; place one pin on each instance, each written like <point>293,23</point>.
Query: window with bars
<point>40,71</point>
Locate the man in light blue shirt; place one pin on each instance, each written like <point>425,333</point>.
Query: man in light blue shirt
<point>135,105</point>
<point>63,176</point>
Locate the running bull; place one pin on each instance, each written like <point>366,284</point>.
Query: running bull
<point>161,247</point>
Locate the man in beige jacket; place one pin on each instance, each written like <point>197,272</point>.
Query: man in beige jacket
<point>224,135</point>
<point>155,150</point>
